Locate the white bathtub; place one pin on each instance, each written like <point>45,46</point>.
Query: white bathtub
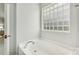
<point>43,47</point>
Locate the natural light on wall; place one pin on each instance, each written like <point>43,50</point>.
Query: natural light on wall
<point>55,17</point>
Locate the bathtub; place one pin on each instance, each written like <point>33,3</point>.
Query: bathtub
<point>43,47</point>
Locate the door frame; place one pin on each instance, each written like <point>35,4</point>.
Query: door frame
<point>6,27</point>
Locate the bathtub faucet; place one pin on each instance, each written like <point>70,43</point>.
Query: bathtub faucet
<point>29,43</point>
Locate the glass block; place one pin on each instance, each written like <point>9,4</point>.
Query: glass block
<point>51,28</point>
<point>48,28</point>
<point>55,27</point>
<point>51,14</point>
<point>60,14</point>
<point>66,28</point>
<point>60,28</point>
<point>56,16</point>
<point>60,4</point>
<point>51,7</point>
<point>66,6</point>
<point>60,23</point>
<point>66,23</point>
<point>55,23</point>
<point>44,27</point>
<point>55,6</point>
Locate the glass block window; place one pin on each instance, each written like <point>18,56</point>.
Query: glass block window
<point>56,17</point>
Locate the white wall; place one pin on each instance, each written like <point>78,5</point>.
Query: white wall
<point>69,39</point>
<point>27,21</point>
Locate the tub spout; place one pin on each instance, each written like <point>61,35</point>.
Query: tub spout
<point>28,43</point>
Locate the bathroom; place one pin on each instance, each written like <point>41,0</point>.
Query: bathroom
<point>26,29</point>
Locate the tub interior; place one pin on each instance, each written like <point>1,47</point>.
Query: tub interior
<point>43,47</point>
